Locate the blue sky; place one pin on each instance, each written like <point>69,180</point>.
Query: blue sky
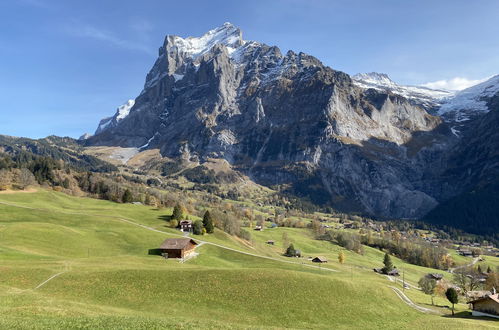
<point>66,64</point>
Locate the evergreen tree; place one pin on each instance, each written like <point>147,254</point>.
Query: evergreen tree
<point>479,269</point>
<point>208,222</point>
<point>127,197</point>
<point>489,270</point>
<point>290,251</point>
<point>387,261</point>
<point>197,227</point>
<point>451,295</point>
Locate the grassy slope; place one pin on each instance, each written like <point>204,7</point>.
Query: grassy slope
<point>111,282</point>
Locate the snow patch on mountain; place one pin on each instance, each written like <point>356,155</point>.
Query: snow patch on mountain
<point>427,97</point>
<point>124,110</point>
<point>472,99</point>
<point>121,113</point>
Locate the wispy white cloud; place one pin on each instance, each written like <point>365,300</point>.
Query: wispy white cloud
<point>88,31</point>
<point>454,84</point>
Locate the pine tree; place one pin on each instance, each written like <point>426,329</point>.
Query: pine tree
<point>451,295</point>
<point>127,197</point>
<point>341,257</point>
<point>197,227</point>
<point>489,270</point>
<point>208,222</point>
<point>387,261</point>
<point>479,269</point>
<point>290,251</point>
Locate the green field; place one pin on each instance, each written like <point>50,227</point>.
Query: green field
<point>107,279</point>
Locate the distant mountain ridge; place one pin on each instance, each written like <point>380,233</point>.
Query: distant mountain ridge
<point>423,96</point>
<point>362,144</point>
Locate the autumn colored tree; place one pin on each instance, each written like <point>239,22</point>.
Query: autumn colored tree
<point>341,257</point>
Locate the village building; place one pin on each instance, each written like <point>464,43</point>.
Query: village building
<point>486,306</point>
<point>270,242</point>
<point>178,247</point>
<point>465,253</point>
<point>319,259</point>
<point>435,276</point>
<point>394,272</point>
<point>186,226</point>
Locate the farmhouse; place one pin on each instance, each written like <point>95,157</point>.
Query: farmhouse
<point>270,242</point>
<point>435,276</point>
<point>486,306</point>
<point>178,247</point>
<point>394,272</point>
<point>186,225</point>
<point>319,259</point>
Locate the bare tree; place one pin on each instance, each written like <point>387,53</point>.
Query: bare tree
<point>25,178</point>
<point>467,279</point>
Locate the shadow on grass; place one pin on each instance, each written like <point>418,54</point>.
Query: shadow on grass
<point>154,252</point>
<point>165,217</point>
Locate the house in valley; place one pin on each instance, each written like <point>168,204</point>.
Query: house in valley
<point>178,247</point>
<point>319,259</point>
<point>435,276</point>
<point>486,306</point>
<point>394,272</point>
<point>185,226</point>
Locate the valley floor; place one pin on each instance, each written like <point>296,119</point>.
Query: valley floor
<point>69,262</point>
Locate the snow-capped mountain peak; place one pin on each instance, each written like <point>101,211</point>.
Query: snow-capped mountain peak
<point>424,96</point>
<point>124,110</point>
<point>227,34</point>
<point>375,79</point>
<point>121,113</point>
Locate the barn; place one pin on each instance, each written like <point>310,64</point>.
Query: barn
<point>178,247</point>
<point>486,306</point>
<point>319,259</point>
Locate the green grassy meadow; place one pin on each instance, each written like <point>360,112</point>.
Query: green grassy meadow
<point>108,280</point>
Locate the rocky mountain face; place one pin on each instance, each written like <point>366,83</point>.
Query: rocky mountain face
<point>288,120</point>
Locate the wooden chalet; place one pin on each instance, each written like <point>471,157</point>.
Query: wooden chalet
<point>435,276</point>
<point>486,306</point>
<point>178,247</point>
<point>394,272</point>
<point>185,225</point>
<point>319,259</point>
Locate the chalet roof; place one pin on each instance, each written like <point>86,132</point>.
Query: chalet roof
<point>186,222</point>
<point>394,271</point>
<point>435,276</point>
<point>320,258</point>
<point>177,243</point>
<point>493,297</point>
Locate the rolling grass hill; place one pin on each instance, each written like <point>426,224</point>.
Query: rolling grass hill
<point>106,279</point>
